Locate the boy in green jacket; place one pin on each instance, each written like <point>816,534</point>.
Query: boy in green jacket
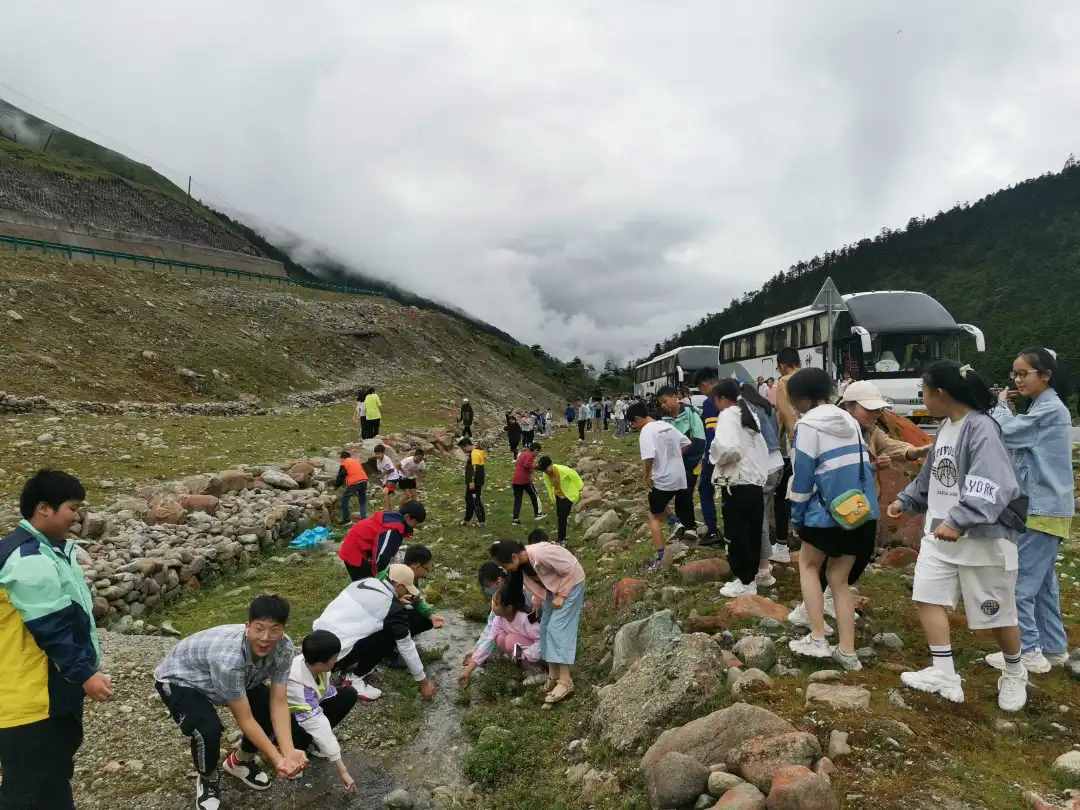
<point>49,652</point>
<point>564,487</point>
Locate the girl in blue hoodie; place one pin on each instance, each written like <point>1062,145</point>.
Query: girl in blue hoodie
<point>1040,443</point>
<point>829,458</point>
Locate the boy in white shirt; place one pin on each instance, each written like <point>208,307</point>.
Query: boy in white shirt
<point>412,468</point>
<point>391,475</point>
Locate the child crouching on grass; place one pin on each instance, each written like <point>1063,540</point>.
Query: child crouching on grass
<point>316,705</point>
<point>556,580</point>
<point>969,492</point>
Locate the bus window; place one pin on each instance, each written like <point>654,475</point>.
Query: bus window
<point>817,330</point>
<point>759,344</point>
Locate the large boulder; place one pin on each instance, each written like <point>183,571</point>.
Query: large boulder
<point>200,503</point>
<point>795,787</point>
<point>756,759</point>
<point>711,569</point>
<point>607,522</point>
<point>753,607</point>
<point>277,479</point>
<point>635,639</point>
<point>756,651</point>
<point>661,683</point>
<point>627,591</point>
<point>301,472</point>
<point>676,780</point>
<point>709,739</point>
<point>93,525</point>
<point>234,480</point>
<point>166,510</point>
<point>202,485</point>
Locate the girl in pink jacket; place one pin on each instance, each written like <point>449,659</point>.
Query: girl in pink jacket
<point>557,581</point>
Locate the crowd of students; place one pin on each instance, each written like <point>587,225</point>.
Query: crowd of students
<point>995,492</point>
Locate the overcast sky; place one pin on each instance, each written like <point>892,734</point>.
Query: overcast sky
<point>589,176</point>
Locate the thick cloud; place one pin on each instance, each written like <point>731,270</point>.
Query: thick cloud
<point>588,176</point>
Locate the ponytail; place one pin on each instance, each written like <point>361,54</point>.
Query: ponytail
<point>1046,362</point>
<point>751,395</point>
<point>729,389</point>
<point>962,383</point>
<point>748,420</point>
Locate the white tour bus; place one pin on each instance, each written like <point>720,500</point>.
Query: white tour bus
<point>887,336</point>
<point>676,367</point>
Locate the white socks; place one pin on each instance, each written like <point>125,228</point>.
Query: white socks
<point>942,658</point>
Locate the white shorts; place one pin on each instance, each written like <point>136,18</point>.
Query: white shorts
<point>989,591</point>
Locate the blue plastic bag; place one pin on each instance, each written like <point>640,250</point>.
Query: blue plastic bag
<point>310,537</point>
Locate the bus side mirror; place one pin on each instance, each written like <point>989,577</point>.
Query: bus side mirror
<point>864,339</point>
<point>975,332</point>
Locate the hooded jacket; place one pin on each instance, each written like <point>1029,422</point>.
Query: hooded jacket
<point>990,504</point>
<point>374,541</point>
<point>738,455</point>
<point>569,482</point>
<point>48,642</point>
<point>306,692</point>
<point>827,456</point>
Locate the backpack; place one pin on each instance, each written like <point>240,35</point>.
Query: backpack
<point>361,543</point>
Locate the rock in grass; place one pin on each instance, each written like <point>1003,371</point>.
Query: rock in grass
<point>676,780</point>
<point>838,696</point>
<point>398,800</point>
<point>634,639</point>
<point>1067,767</point>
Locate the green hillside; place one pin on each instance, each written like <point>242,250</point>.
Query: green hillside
<point>1009,263</point>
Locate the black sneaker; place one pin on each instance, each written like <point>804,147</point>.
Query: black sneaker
<point>207,793</point>
<point>711,539</point>
<point>515,522</point>
<point>250,772</point>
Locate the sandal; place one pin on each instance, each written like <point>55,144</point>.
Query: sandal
<point>560,693</point>
<point>550,684</point>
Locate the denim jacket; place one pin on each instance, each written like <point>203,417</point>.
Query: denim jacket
<point>1040,443</point>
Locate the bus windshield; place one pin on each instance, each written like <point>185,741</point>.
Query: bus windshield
<point>907,354</point>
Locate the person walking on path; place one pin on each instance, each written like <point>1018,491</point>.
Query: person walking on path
<point>371,544</point>
<point>229,666</point>
<point>317,706</point>
<point>971,498</point>
<point>556,580</point>
<point>661,447</point>
<point>353,477</point>
<point>787,363</point>
<point>739,459</point>
<point>570,413</point>
<point>475,476</point>
<point>465,417</point>
<point>1040,443</point>
<point>830,464</point>
<point>513,432</point>
<point>582,419</point>
<point>371,618</point>
<point>522,482</point>
<point>373,413</point>
<point>618,410</point>
<point>360,413</point>
<point>563,486</point>
<point>706,381</point>
<point>49,651</point>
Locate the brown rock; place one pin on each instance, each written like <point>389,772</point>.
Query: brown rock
<point>202,485</point>
<point>731,660</point>
<point>166,511</point>
<point>756,759</point>
<point>101,607</point>
<point>301,472</point>
<point>200,503</point>
<point>900,557</point>
<point>627,591</point>
<point>707,624</point>
<point>838,696</point>
<point>741,797</point>
<point>712,569</point>
<point>753,607</point>
<point>795,787</point>
<point>824,767</point>
<point>234,480</point>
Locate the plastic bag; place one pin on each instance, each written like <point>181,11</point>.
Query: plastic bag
<point>310,537</point>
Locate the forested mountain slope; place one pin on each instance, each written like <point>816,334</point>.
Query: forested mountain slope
<point>1009,263</point>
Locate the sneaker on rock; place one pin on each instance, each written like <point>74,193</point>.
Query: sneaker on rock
<point>811,647</point>
<point>736,588</point>
<point>780,553</point>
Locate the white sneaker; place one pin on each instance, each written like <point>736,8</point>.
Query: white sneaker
<point>1034,662</point>
<point>365,690</point>
<point>780,553</point>
<point>1057,659</point>
<point>811,647</point>
<point>849,661</point>
<point>736,588</point>
<point>830,605</point>
<point>764,579</point>
<point>1012,692</point>
<point>935,682</point>
<point>800,618</point>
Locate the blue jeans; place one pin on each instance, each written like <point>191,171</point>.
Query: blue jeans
<point>708,497</point>
<point>1038,598</point>
<point>360,491</point>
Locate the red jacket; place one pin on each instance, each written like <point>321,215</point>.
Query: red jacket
<point>374,541</point>
<point>523,467</point>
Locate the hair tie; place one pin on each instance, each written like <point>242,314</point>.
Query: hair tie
<point>965,370</point>
<point>1050,352</point>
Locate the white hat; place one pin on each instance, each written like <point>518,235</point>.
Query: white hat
<point>866,394</point>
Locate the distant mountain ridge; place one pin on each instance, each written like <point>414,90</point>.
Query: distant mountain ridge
<point>1009,263</point>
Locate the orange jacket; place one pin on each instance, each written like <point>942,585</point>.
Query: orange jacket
<point>354,471</point>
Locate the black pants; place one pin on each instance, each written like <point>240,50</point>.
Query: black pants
<point>359,490</point>
<point>581,430</point>
<point>782,506</point>
<point>372,426</point>
<point>744,510</point>
<point>521,490</point>
<point>607,417</point>
<point>466,429</point>
<point>334,708</point>
<point>358,572</point>
<point>563,506</point>
<point>368,652</point>
<point>38,760</point>
<point>868,533</point>
<point>527,437</point>
<point>197,718</point>
<point>474,503</point>
<point>691,488</point>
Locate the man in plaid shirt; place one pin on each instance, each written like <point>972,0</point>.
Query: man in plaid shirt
<point>229,666</point>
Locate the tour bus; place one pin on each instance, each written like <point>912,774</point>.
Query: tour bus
<point>676,367</point>
<point>887,336</point>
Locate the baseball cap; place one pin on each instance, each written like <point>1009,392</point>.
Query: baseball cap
<point>403,575</point>
<point>866,394</point>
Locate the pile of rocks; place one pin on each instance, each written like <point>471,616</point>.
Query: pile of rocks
<point>10,403</point>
